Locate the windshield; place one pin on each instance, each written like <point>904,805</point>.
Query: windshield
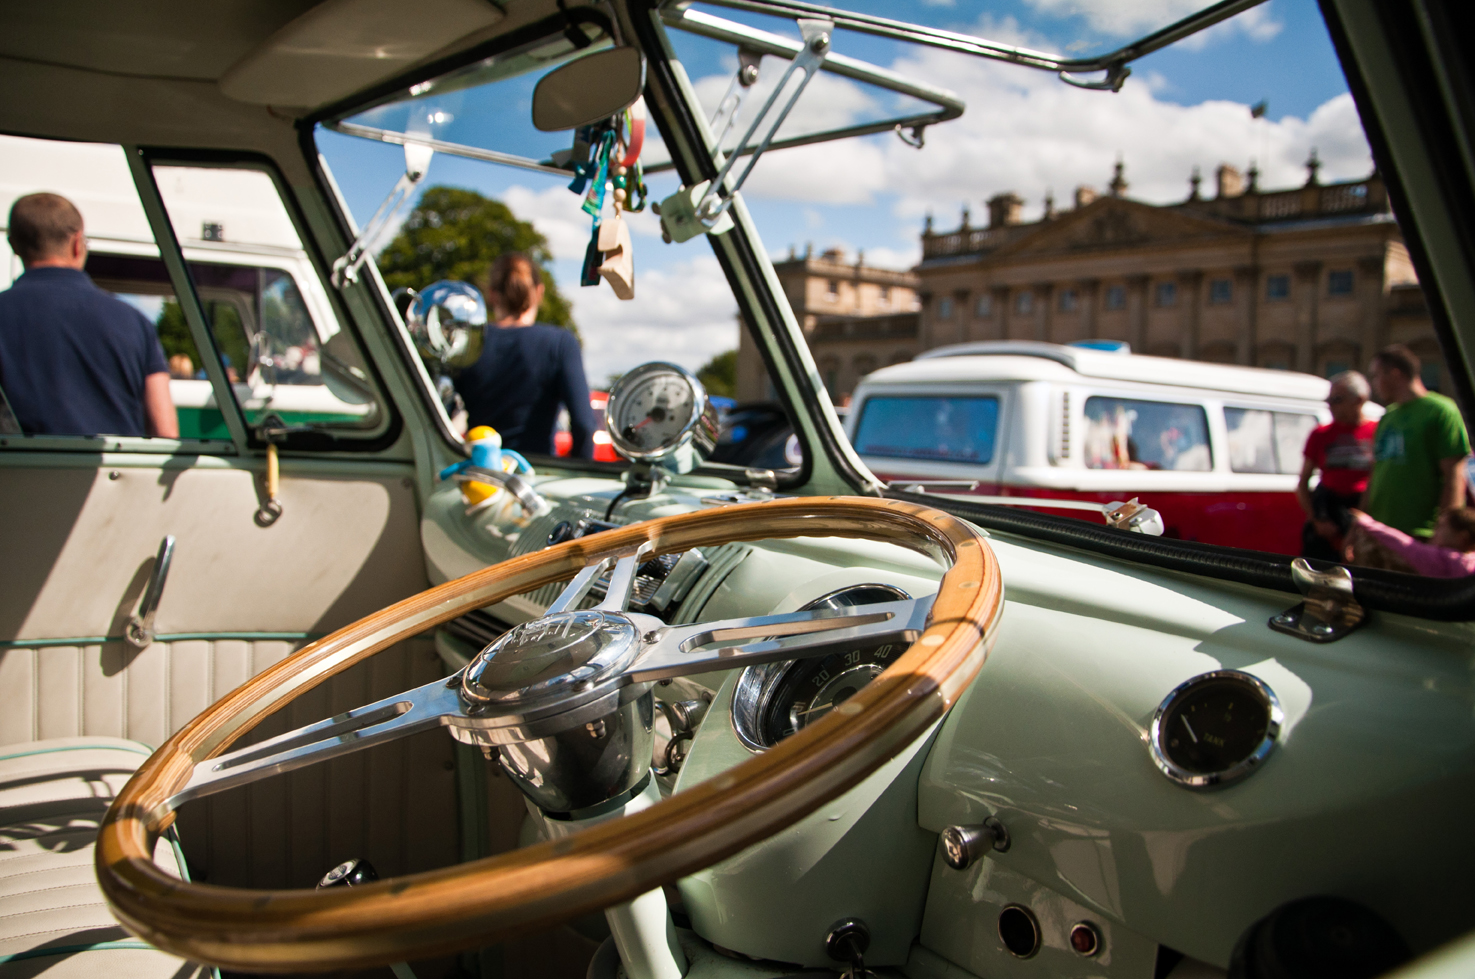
<point>1221,207</point>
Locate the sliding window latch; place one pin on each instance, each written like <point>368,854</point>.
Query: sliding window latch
<point>703,208</point>
<point>1330,610</point>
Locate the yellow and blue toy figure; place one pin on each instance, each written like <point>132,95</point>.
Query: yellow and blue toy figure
<point>486,453</point>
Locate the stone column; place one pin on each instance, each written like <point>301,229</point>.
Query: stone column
<point>1137,313</point>
<point>1246,304</point>
<point>1373,299</point>
<point>1045,312</point>
<point>1308,292</point>
<point>1190,288</point>
<point>1089,293</point>
<point>1001,310</point>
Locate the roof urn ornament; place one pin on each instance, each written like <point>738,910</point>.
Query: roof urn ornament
<point>1118,183</point>
<point>1193,183</point>
<point>1313,166</point>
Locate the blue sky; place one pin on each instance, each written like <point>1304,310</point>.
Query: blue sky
<point>1024,131</point>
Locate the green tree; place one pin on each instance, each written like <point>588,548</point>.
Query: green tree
<point>719,375</point>
<point>457,234</point>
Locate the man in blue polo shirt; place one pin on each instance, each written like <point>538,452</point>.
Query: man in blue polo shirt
<point>75,360</point>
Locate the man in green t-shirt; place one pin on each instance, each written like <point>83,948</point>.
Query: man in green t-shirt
<point>1418,449</point>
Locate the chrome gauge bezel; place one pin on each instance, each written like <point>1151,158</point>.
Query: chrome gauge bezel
<point>756,687</point>
<point>1204,780</point>
<point>698,436</point>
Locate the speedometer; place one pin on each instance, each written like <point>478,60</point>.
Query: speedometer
<point>773,701</point>
<point>659,413</point>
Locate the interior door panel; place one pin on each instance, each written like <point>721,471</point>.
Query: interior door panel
<point>80,534</point>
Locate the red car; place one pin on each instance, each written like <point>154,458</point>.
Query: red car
<point>563,442</point>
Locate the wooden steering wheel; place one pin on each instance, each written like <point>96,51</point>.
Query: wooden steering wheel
<point>485,901</point>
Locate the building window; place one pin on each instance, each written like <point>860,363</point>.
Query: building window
<point>1339,282</point>
<point>1166,294</point>
<point>1116,297</point>
<point>885,297</point>
<point>1277,287</point>
<point>1025,303</point>
<point>945,308</point>
<point>985,305</point>
<point>1221,292</point>
<point>1067,300</point>
<point>832,289</point>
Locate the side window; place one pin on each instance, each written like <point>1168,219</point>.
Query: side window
<point>1131,434</point>
<point>949,429</point>
<point>122,259</point>
<point>1251,440</point>
<point>1262,441</point>
<point>280,343</point>
<point>1291,429</point>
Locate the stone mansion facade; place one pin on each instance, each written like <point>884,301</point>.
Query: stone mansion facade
<point>1314,278</point>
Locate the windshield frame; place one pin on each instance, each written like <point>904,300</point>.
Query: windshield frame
<point>830,462</point>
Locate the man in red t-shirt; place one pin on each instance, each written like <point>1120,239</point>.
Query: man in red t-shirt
<point>1343,453</point>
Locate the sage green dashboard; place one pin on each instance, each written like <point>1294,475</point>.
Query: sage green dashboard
<point>1364,797</point>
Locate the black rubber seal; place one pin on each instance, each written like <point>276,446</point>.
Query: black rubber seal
<point>1442,599</point>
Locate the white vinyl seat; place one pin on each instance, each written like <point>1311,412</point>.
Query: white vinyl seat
<point>53,919</point>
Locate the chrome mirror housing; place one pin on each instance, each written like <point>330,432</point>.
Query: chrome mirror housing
<point>447,319</point>
<point>585,91</point>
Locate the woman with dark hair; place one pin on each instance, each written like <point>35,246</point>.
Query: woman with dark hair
<point>526,368</point>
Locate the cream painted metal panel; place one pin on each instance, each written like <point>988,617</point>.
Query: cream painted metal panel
<point>79,540</point>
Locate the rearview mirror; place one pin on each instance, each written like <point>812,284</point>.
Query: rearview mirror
<point>592,88</point>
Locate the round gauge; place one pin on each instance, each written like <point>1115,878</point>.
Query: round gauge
<point>660,413</point>
<point>772,701</point>
<point>1215,728</point>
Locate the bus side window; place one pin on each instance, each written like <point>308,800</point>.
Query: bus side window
<point>1123,433</point>
<point>1251,440</point>
<point>1263,441</point>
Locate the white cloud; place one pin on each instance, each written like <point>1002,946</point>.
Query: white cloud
<point>1136,17</point>
<point>1030,134</point>
<point>683,312</point>
<point>894,258</point>
<point>558,216</point>
<point>1027,132</point>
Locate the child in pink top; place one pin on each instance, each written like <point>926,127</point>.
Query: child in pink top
<point>1450,553</point>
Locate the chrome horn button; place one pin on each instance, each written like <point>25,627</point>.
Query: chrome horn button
<point>541,659</point>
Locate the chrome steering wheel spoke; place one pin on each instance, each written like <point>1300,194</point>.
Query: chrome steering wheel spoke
<point>654,652</point>
<point>736,643</point>
<point>394,717</point>
<point>622,581</point>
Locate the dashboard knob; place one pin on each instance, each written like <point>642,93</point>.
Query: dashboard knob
<point>962,846</point>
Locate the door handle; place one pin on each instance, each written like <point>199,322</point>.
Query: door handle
<point>140,631</point>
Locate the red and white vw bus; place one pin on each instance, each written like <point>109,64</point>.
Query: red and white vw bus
<point>1215,449</point>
